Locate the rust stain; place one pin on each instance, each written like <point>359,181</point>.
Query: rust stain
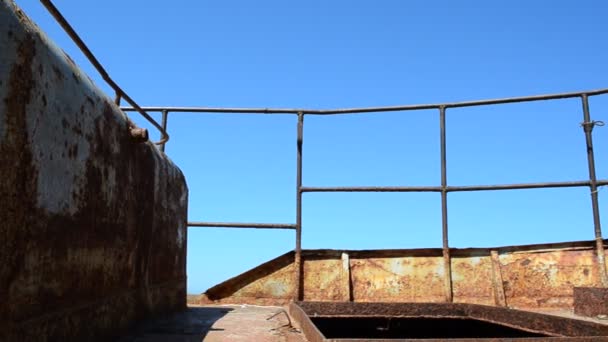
<point>534,276</point>
<point>590,301</point>
<point>409,279</point>
<point>113,256</point>
<point>268,284</point>
<point>279,285</point>
<point>18,174</point>
<point>544,325</point>
<point>497,280</point>
<point>324,279</point>
<point>547,279</point>
<point>472,270</point>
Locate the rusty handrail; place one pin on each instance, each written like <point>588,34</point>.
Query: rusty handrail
<point>104,74</point>
<point>460,188</point>
<point>228,110</point>
<point>242,225</point>
<point>588,124</point>
<point>593,183</point>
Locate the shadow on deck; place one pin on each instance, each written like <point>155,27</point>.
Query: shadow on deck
<point>191,325</point>
<point>218,323</point>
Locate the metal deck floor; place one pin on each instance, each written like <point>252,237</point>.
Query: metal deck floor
<point>213,323</point>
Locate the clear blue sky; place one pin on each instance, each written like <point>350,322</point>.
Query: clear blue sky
<point>328,54</point>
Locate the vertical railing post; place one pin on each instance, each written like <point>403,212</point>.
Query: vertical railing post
<point>599,242</point>
<point>164,124</point>
<point>299,281</point>
<point>447,262</point>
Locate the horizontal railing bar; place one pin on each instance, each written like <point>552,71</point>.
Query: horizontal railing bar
<point>372,109</point>
<point>242,225</point>
<point>371,189</point>
<point>450,188</point>
<point>220,110</point>
<point>523,186</point>
<point>527,98</point>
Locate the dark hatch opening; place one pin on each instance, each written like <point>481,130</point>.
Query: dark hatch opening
<point>417,327</point>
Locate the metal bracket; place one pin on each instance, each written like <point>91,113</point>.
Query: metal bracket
<point>137,134</point>
<point>588,126</point>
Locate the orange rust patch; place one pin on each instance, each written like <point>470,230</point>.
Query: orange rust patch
<point>534,276</point>
<point>472,270</point>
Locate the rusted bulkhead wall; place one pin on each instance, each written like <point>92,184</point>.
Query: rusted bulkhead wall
<point>92,223</point>
<point>534,276</point>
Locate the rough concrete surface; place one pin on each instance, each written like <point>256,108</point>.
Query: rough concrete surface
<point>213,323</point>
<point>92,222</point>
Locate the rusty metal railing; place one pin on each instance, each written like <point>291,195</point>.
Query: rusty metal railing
<point>593,183</point>
<point>120,94</point>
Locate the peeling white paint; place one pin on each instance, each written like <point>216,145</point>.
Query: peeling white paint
<point>440,270</point>
<point>181,235</point>
<point>61,115</point>
<point>182,227</point>
<point>59,127</point>
<point>57,262</point>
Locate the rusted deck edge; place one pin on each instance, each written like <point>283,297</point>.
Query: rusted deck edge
<point>230,286</point>
<point>243,279</point>
<point>560,329</point>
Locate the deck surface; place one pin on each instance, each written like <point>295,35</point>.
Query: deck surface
<point>214,323</point>
<point>568,313</point>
